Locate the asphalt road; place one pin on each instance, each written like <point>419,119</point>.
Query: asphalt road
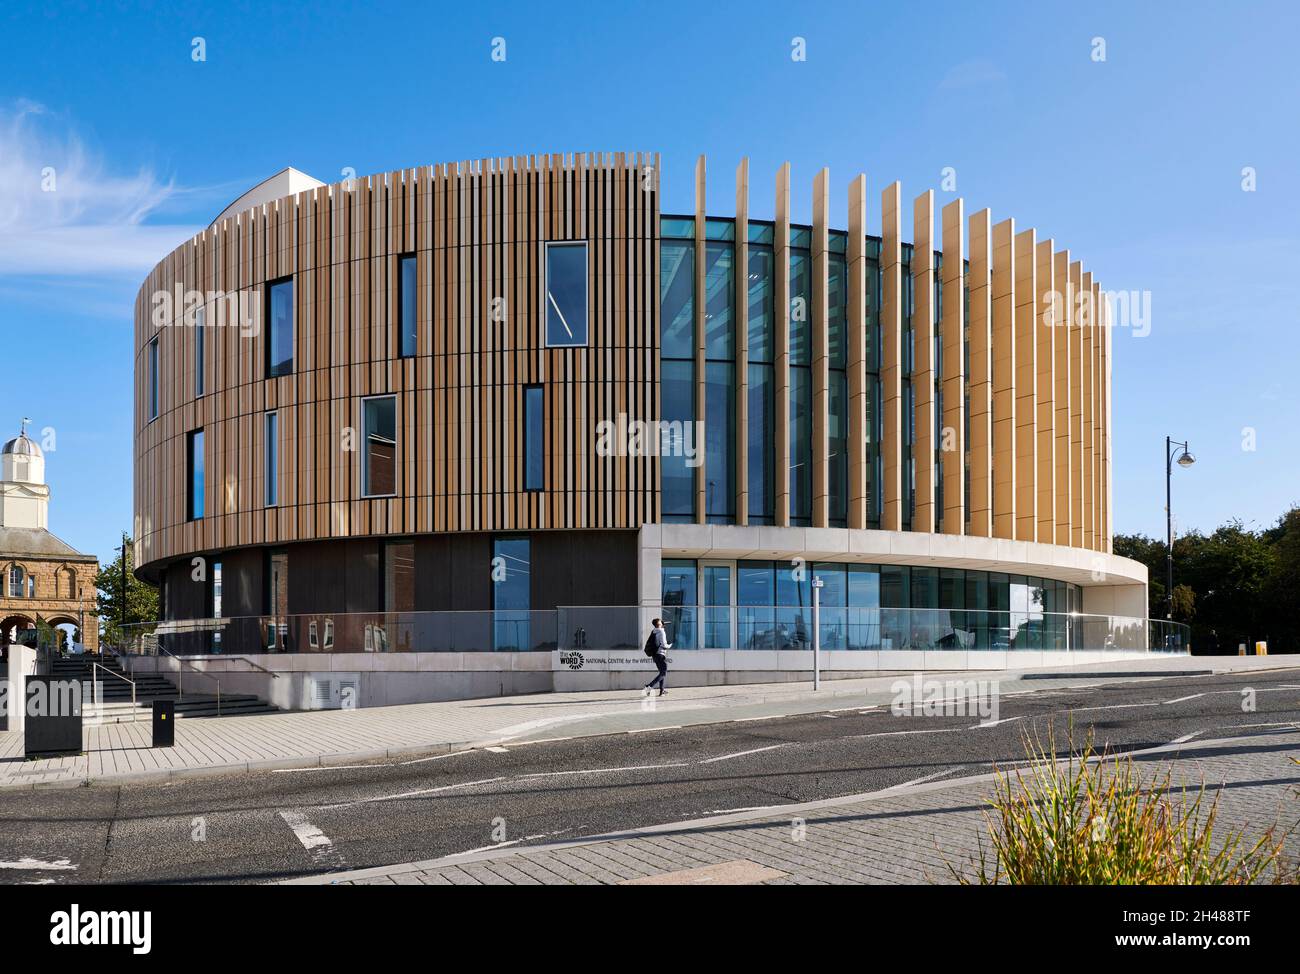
<point>257,827</point>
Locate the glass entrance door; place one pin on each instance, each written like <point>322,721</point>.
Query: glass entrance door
<point>717,586</point>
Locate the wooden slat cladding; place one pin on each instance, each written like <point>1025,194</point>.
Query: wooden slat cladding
<point>477,230</point>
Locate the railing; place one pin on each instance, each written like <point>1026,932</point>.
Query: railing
<point>97,697</point>
<point>180,675</point>
<point>740,627</point>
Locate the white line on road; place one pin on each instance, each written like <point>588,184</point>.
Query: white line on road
<point>932,730</point>
<point>647,730</point>
<point>635,767</point>
<point>1184,700</point>
<point>325,767</point>
<point>433,757</point>
<point>34,864</point>
<point>995,723</point>
<point>741,754</point>
<point>415,794</point>
<point>316,842</point>
<point>1185,738</point>
<point>498,750</point>
<point>745,720</point>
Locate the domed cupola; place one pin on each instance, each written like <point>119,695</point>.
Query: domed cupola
<point>24,497</point>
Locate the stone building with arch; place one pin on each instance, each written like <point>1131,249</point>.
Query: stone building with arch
<point>43,579</point>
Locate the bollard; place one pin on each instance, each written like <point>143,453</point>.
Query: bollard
<point>1241,649</point>
<point>164,723</point>
<point>1261,648</point>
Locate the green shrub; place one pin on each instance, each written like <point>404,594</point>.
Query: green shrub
<point>1093,822</point>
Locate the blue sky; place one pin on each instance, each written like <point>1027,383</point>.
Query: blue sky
<point>1135,163</point>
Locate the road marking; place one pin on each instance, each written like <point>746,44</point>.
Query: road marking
<point>747,808</point>
<point>647,730</point>
<point>929,777</point>
<point>1114,706</point>
<point>741,754</point>
<point>1184,700</point>
<point>745,720</point>
<point>316,842</point>
<point>1185,738</point>
<point>995,723</point>
<point>932,730</point>
<point>831,716</point>
<point>635,767</point>
<point>34,864</point>
<point>415,794</point>
<point>498,750</point>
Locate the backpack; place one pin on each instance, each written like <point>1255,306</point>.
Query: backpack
<point>651,644</point>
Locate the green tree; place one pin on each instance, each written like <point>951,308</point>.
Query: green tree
<point>141,597</point>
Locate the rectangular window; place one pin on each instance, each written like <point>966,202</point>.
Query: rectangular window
<point>408,306</point>
<point>200,340</point>
<point>800,446</point>
<point>677,441</point>
<point>511,598</point>
<point>271,473</point>
<point>153,379</point>
<point>720,441</point>
<point>566,294</point>
<point>194,463</point>
<point>720,297</point>
<point>277,601</point>
<point>762,444</point>
<point>677,581</point>
<point>379,462</point>
<point>534,438</point>
<point>677,299</point>
<point>215,576</point>
<point>279,328</point>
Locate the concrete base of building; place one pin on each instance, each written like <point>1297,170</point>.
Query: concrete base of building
<point>307,681</point>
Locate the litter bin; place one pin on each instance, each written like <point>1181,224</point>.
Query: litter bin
<point>164,723</point>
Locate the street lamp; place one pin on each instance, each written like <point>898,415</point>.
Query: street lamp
<point>817,584</point>
<point>1185,459</point>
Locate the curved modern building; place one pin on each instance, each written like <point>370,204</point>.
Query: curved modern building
<point>509,406</point>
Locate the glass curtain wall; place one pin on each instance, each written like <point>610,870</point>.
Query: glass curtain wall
<point>867,607</point>
<point>800,434</point>
<point>677,368</point>
<point>720,372</point>
<point>760,476</point>
<point>837,420</point>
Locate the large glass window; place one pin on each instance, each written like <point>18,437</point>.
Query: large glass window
<point>511,595</point>
<point>277,601</point>
<point>408,306</point>
<point>717,606</point>
<point>762,444</point>
<point>677,581</point>
<point>756,605</point>
<point>271,443</point>
<point>793,606</point>
<point>800,446</point>
<point>678,445</point>
<point>720,291</point>
<point>16,586</point>
<point>279,328</point>
<point>566,294</point>
<point>720,436</point>
<point>152,357</point>
<point>194,463</point>
<point>832,605</point>
<point>379,461</point>
<point>677,304</point>
<point>534,438</point>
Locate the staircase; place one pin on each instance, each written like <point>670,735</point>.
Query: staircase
<point>115,692</point>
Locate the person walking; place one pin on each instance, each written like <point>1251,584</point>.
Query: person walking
<point>656,647</point>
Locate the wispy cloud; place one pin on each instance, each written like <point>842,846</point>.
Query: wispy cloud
<point>63,212</point>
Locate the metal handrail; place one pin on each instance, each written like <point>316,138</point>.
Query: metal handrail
<point>94,693</point>
<point>180,681</point>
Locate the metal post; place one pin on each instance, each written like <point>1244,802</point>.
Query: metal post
<point>1169,530</point>
<point>817,631</point>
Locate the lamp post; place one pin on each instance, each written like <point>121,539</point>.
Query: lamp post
<point>817,584</point>
<point>1185,459</point>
